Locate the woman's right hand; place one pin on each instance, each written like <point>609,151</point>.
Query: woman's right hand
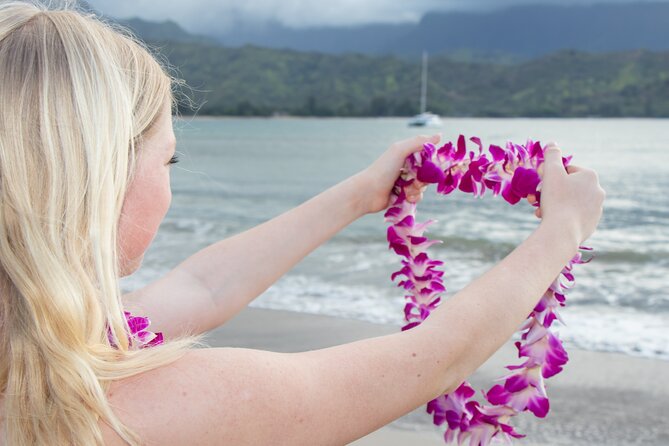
<point>571,199</point>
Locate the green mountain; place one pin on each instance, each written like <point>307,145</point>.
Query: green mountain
<point>261,81</point>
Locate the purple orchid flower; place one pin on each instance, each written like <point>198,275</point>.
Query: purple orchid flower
<point>138,335</point>
<point>523,183</point>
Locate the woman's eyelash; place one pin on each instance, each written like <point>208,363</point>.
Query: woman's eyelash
<point>174,159</point>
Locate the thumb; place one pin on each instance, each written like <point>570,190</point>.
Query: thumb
<point>553,160</point>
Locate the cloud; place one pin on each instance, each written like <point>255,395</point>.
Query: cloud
<point>209,16</point>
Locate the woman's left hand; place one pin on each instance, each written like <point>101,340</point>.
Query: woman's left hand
<point>381,175</point>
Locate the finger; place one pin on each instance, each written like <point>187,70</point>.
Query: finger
<point>553,160</point>
<point>420,186</point>
<point>531,198</point>
<point>572,169</point>
<point>414,195</point>
<point>538,212</point>
<point>415,189</point>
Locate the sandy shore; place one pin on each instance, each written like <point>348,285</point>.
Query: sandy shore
<point>600,399</point>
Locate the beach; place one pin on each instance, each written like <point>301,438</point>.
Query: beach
<point>599,399</point>
<point>238,173</point>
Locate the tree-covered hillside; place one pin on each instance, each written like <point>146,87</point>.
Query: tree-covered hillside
<point>260,81</point>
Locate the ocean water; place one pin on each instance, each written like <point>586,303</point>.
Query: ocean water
<point>237,173</point>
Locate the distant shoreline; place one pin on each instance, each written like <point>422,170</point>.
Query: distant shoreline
<point>298,117</point>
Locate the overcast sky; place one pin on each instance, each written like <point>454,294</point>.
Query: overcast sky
<point>206,16</point>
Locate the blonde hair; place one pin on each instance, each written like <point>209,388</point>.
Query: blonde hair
<point>77,95</point>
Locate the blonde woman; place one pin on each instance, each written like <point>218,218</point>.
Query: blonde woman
<point>86,144</point>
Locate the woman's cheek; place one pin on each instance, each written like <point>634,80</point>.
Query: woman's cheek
<point>145,206</point>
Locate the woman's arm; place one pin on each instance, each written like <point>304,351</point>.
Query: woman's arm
<point>214,284</point>
<point>338,394</point>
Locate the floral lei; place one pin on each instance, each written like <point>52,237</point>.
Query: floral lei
<point>138,334</point>
<point>512,172</point>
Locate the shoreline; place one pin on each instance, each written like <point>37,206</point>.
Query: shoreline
<point>505,118</point>
<point>600,398</point>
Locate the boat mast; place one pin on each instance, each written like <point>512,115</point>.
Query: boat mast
<point>423,85</point>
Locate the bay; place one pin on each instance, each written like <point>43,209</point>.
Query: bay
<point>236,173</point>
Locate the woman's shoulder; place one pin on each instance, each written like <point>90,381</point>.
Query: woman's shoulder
<point>242,396</point>
<point>208,396</point>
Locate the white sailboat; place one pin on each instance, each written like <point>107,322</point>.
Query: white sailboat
<point>425,118</point>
